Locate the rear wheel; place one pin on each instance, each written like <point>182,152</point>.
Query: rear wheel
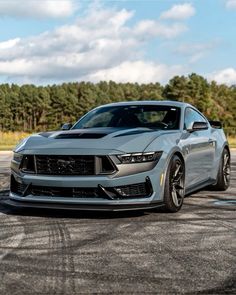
<point>174,185</point>
<point>223,177</point>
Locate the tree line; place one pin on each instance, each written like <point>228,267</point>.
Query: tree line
<point>33,108</point>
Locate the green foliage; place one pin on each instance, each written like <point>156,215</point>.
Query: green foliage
<point>32,108</point>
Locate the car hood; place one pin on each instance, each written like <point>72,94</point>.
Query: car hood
<point>90,141</point>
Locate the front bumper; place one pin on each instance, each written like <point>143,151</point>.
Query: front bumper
<point>107,202</point>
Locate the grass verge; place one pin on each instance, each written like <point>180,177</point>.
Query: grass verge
<point>9,139</point>
<point>232,142</point>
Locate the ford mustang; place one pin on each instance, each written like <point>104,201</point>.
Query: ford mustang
<point>122,156</point>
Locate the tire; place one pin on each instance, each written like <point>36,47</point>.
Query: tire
<point>174,189</point>
<point>223,176</point>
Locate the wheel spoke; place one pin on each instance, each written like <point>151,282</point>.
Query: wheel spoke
<point>227,171</point>
<point>177,170</point>
<point>226,179</point>
<point>179,186</point>
<point>178,177</point>
<point>174,197</point>
<point>177,183</point>
<point>226,159</point>
<point>179,195</point>
<point>226,168</point>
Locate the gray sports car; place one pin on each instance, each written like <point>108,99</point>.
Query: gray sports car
<point>122,156</point>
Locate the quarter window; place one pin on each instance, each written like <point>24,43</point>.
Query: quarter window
<point>192,116</point>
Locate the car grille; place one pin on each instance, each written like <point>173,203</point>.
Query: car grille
<point>64,192</point>
<point>140,190</point>
<point>65,165</point>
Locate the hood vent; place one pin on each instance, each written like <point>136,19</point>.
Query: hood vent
<point>80,135</point>
<point>134,132</point>
<point>46,134</point>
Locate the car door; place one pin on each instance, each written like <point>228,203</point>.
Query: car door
<point>199,149</point>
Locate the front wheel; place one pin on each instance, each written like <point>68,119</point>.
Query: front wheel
<point>174,190</point>
<point>223,177</point>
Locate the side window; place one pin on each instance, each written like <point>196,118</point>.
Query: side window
<point>192,116</point>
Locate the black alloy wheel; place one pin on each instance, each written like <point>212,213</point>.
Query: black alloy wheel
<point>223,176</point>
<point>226,168</point>
<point>174,185</point>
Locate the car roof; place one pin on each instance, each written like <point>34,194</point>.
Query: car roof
<point>151,102</point>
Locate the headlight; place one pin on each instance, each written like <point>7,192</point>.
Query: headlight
<point>21,144</point>
<point>17,157</point>
<point>139,157</point>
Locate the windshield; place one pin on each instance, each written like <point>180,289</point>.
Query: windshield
<point>132,116</point>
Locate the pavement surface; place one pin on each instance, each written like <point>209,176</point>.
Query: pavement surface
<point>59,252</point>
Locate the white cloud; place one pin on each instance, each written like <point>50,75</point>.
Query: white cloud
<point>179,12</point>
<point>37,8</point>
<point>9,43</point>
<point>226,76</point>
<point>149,28</point>
<point>99,44</point>
<point>231,4</point>
<point>137,71</point>
<point>196,51</point>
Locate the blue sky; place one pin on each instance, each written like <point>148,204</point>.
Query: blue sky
<point>55,41</point>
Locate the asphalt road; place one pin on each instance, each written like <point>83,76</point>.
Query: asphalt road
<point>58,252</point>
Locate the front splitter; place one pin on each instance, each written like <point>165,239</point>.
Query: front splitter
<point>82,207</point>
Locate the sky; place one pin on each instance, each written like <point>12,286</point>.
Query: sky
<point>56,41</point>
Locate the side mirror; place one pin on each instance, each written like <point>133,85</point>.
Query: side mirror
<point>198,126</point>
<point>216,124</point>
<point>66,126</point>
